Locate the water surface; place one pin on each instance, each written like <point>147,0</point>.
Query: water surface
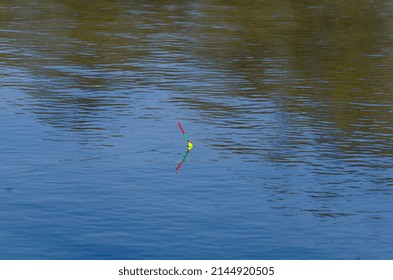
<point>288,104</point>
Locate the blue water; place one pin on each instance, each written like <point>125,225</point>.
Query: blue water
<point>292,131</point>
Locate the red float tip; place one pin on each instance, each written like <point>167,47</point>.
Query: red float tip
<point>181,128</point>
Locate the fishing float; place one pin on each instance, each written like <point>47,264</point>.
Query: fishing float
<point>189,147</point>
<point>189,144</point>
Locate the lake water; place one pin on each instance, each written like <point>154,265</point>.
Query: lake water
<point>289,105</point>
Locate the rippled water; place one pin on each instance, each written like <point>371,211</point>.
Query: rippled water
<point>288,104</point>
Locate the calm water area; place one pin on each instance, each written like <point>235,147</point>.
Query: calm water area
<point>289,105</point>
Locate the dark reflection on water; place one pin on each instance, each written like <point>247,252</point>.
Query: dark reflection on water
<point>289,105</point>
